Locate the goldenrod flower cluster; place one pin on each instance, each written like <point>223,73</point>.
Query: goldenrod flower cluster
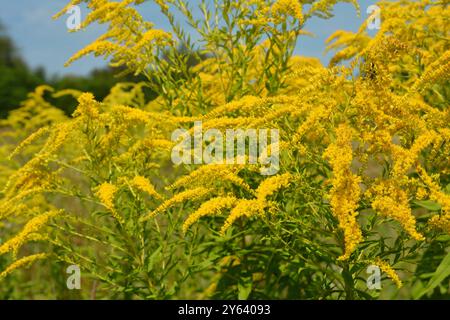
<point>210,207</point>
<point>390,272</point>
<point>363,143</point>
<point>106,192</point>
<point>22,263</point>
<point>345,193</point>
<point>32,226</point>
<point>144,185</point>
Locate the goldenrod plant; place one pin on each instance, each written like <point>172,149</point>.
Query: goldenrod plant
<point>363,177</point>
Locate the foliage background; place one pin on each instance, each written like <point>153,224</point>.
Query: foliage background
<point>364,177</point>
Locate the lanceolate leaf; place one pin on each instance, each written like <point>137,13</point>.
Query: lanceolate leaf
<point>441,274</point>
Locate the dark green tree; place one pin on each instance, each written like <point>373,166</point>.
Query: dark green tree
<point>16,79</point>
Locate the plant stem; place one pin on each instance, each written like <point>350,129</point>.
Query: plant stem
<point>349,285</point>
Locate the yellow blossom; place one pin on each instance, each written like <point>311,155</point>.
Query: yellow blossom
<point>210,207</point>
<point>190,194</point>
<point>391,201</point>
<point>87,106</point>
<point>23,262</point>
<point>404,159</point>
<point>270,185</point>
<point>442,221</point>
<point>33,137</point>
<point>32,226</point>
<point>346,191</point>
<point>143,184</point>
<point>246,208</point>
<point>386,268</point>
<point>289,7</point>
<point>105,192</point>
<point>209,174</point>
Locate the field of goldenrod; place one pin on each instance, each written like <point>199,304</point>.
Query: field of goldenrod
<point>362,179</point>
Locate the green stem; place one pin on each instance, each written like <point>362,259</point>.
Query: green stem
<point>349,284</point>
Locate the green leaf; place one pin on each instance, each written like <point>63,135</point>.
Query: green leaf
<point>153,258</point>
<point>244,287</point>
<point>428,204</point>
<point>443,238</point>
<point>441,273</point>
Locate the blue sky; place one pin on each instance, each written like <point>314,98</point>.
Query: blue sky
<point>47,43</point>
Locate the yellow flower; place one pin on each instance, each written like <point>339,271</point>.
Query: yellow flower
<point>32,226</point>
<point>315,116</point>
<point>208,175</point>
<point>421,193</point>
<point>99,48</point>
<point>131,41</point>
<point>105,192</point>
<point>386,268</point>
<point>440,223</point>
<point>244,105</point>
<point>23,262</point>
<point>438,70</point>
<point>443,221</point>
<point>398,209</point>
<point>210,207</point>
<point>346,192</point>
<point>162,4</point>
<point>190,194</point>
<point>404,159</point>
<point>33,137</point>
<point>391,201</point>
<point>87,106</point>
<point>144,185</point>
<point>271,185</point>
<point>153,35</point>
<point>13,205</point>
<point>291,8</point>
<point>244,207</point>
